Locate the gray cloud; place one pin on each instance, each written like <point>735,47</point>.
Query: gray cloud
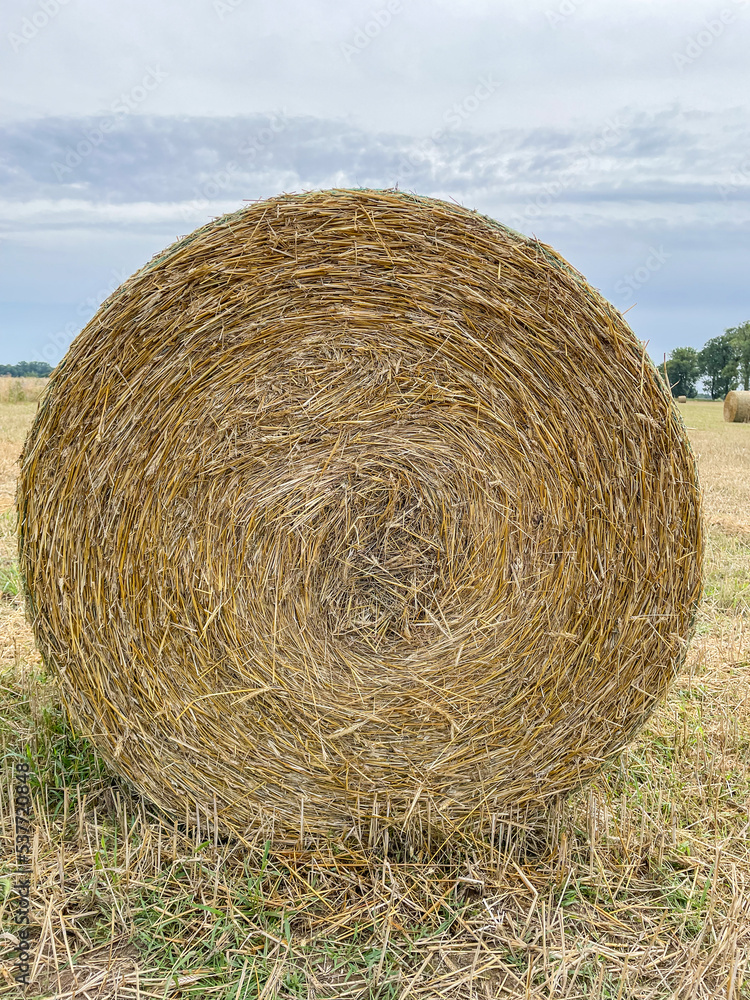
<point>671,157</point>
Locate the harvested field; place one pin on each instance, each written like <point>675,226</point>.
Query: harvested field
<point>638,887</point>
<point>21,390</point>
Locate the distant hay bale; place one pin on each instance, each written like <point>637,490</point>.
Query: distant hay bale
<point>356,509</point>
<point>737,407</point>
<point>26,389</point>
<point>682,399</point>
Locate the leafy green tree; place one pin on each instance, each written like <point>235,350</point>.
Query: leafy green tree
<point>39,368</point>
<point>739,337</point>
<point>718,365</point>
<point>683,371</point>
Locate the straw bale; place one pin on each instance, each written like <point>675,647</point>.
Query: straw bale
<point>682,399</point>
<point>737,407</point>
<point>357,509</point>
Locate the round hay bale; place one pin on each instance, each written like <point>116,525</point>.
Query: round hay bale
<point>682,399</point>
<point>356,507</point>
<point>737,407</point>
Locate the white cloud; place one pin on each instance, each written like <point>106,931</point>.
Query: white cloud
<point>535,151</point>
<point>289,54</point>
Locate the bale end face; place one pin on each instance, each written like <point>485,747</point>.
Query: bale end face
<point>385,518</point>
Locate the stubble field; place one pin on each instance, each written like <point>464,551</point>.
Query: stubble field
<point>637,887</point>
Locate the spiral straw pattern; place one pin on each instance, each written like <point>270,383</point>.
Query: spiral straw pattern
<point>356,510</point>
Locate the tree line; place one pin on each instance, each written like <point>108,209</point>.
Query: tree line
<point>24,369</point>
<point>722,364</point>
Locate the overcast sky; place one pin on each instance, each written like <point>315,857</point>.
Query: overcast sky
<point>616,130</point>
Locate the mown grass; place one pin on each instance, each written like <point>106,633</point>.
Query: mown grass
<point>638,886</point>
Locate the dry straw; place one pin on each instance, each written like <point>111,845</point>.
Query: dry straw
<point>737,407</point>
<point>355,509</point>
<point>682,399</point>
